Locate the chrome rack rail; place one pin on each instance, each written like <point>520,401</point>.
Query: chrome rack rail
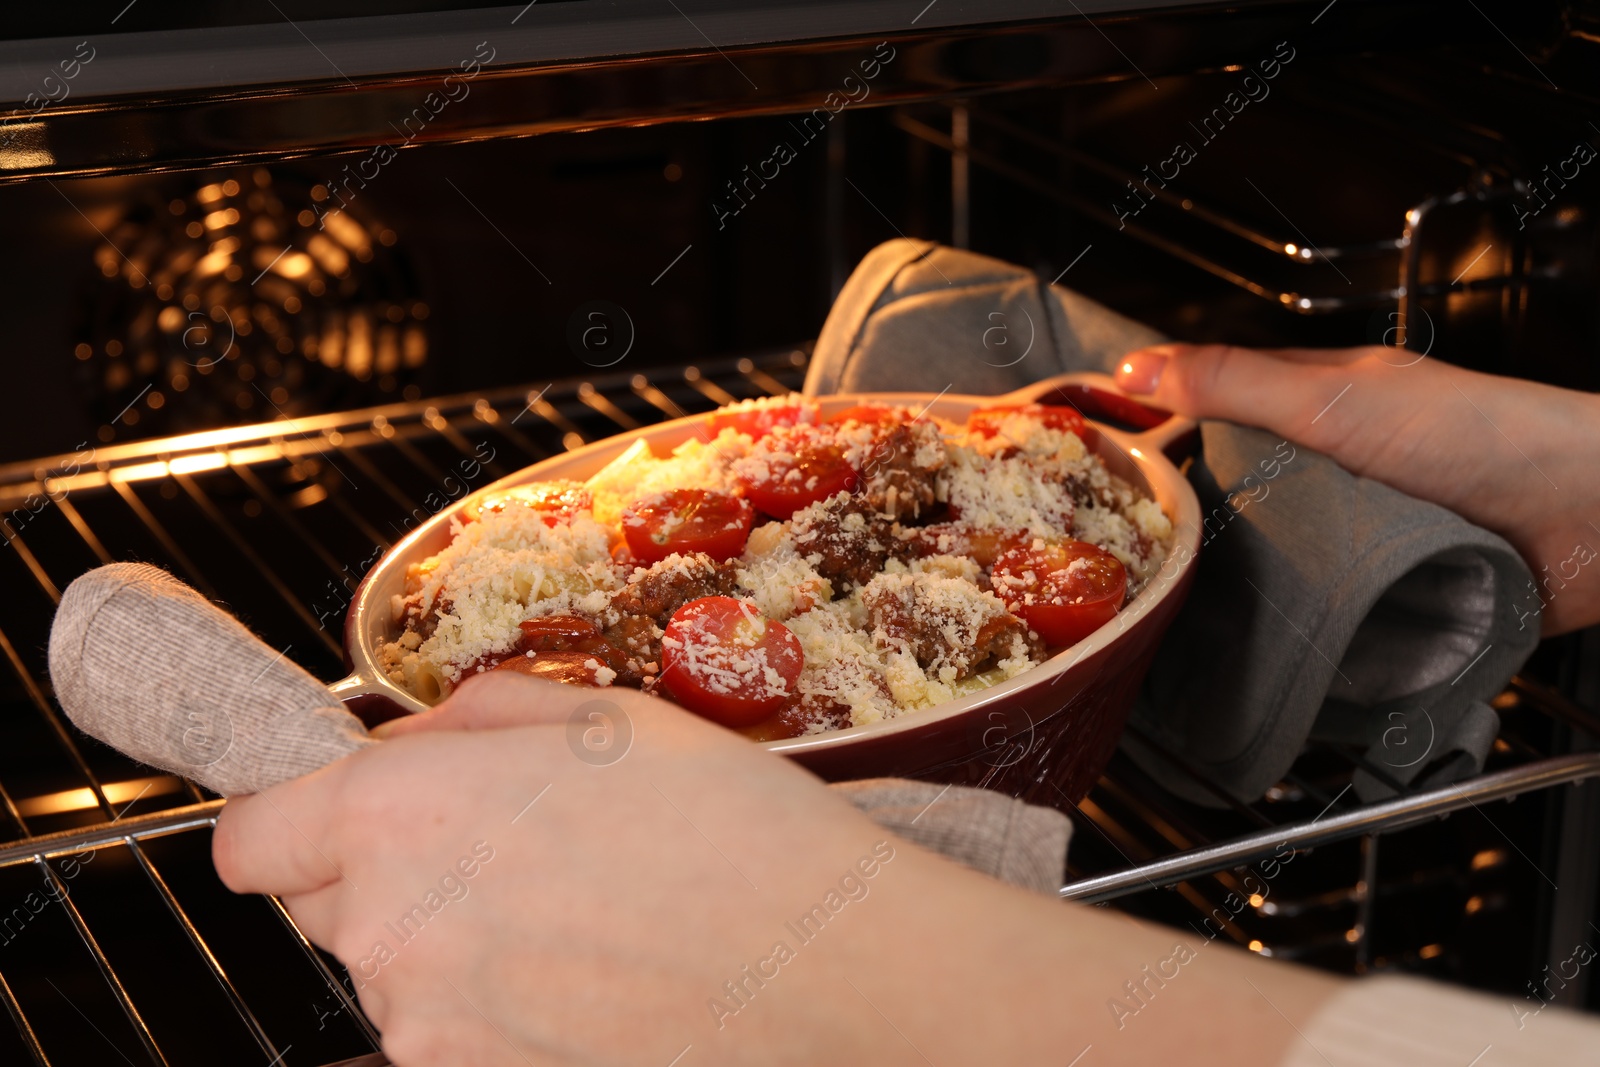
<point>1275,266</point>
<point>186,503</point>
<point>1370,819</point>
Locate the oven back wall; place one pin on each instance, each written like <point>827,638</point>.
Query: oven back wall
<point>168,303</point>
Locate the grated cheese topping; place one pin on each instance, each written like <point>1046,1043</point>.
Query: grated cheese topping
<point>1010,491</point>
<point>910,631</point>
<point>505,567</point>
<point>776,577</point>
<point>725,667</point>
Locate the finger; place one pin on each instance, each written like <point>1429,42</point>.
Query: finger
<point>1270,389</point>
<point>496,700</point>
<point>276,841</point>
<point>317,913</point>
<point>1318,356</point>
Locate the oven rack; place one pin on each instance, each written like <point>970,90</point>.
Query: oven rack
<point>1364,821</point>
<point>134,934</point>
<point>276,520</point>
<point>1274,262</point>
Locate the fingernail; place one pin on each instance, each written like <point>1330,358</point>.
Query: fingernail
<point>1140,372</point>
<point>383,729</point>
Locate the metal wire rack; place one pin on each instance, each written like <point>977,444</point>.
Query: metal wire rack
<point>114,930</point>
<point>117,942</point>
<point>1274,262</point>
<point>1453,896</point>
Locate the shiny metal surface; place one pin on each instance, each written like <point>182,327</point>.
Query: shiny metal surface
<point>135,828</point>
<point>303,104</point>
<point>128,490</point>
<point>1369,819</point>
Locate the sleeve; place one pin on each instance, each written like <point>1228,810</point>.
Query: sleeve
<point>1406,1022</point>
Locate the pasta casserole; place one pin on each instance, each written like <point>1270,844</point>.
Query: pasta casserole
<point>786,573</point>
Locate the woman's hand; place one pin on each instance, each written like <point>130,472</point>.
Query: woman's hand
<point>501,899</point>
<point>1516,457</point>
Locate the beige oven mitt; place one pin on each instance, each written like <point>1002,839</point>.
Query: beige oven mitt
<point>146,664</point>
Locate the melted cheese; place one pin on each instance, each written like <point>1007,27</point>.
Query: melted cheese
<point>496,572</point>
<point>638,472</point>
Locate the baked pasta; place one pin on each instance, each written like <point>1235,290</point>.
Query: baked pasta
<point>785,573</point>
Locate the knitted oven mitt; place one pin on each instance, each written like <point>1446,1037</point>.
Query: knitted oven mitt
<point>149,666</point>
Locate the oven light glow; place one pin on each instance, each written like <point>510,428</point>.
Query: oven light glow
<point>217,220</point>
<point>213,263</point>
<point>118,795</point>
<point>1489,857</point>
<point>140,472</point>
<point>204,461</point>
<point>1291,249</point>
<point>290,264</point>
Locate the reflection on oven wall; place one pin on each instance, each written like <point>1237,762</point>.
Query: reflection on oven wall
<point>244,294</point>
<point>1395,199</point>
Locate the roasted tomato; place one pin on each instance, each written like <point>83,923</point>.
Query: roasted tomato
<point>986,422</point>
<point>571,668</point>
<point>758,420</point>
<point>723,659</point>
<point>558,501</point>
<point>1064,590</point>
<point>786,471</point>
<point>687,520</point>
<point>544,634</point>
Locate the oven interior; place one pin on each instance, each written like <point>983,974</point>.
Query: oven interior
<point>213,379</point>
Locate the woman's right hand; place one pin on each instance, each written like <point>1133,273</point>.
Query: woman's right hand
<point>504,899</point>
<point>1516,457</point>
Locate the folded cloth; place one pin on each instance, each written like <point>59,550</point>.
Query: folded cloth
<point>1325,605</point>
<point>1023,844</point>
<point>144,663</point>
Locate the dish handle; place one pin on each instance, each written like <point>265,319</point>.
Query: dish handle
<point>1096,396</point>
<point>366,698</point>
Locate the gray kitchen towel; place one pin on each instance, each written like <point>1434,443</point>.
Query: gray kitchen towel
<point>1325,605</point>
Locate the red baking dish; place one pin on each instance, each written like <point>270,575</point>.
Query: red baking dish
<point>1044,736</point>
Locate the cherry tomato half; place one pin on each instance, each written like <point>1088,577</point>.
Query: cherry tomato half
<point>758,420</point>
<point>687,520</point>
<point>796,468</point>
<point>1064,590</point>
<point>987,421</point>
<point>559,501</point>
<point>724,660</point>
